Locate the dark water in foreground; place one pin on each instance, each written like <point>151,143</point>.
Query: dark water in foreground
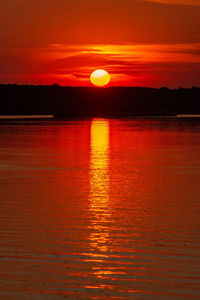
<point>101,209</point>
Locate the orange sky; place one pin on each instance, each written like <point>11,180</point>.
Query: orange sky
<point>141,43</point>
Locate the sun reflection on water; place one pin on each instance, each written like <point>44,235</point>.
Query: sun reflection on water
<point>99,185</point>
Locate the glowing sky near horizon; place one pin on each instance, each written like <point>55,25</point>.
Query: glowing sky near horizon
<point>140,43</point>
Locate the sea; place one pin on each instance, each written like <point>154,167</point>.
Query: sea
<point>100,209</point>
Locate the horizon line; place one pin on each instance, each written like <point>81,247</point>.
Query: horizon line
<point>95,87</point>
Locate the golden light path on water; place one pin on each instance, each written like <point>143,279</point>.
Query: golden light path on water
<point>99,185</point>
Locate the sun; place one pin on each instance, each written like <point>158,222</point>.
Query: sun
<point>100,78</point>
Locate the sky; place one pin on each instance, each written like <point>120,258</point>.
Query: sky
<point>140,43</point>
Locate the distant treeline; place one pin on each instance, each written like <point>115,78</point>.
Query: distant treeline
<point>88,102</point>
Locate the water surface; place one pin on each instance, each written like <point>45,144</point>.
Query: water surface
<point>100,209</point>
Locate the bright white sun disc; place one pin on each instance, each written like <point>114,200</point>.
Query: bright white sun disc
<point>100,78</point>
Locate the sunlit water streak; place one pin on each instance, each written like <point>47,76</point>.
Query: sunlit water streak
<point>100,209</point>
<point>99,184</point>
<point>99,192</point>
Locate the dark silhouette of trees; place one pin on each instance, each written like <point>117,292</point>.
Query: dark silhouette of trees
<point>88,101</point>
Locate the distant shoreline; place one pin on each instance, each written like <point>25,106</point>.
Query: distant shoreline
<point>25,117</point>
<point>88,102</point>
<point>50,118</point>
